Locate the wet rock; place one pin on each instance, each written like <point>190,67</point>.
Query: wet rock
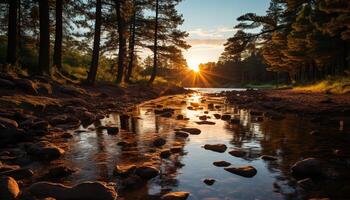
<point>175,196</point>
<point>226,117</point>
<point>306,183</point>
<point>179,117</point>
<point>158,142</point>
<point>9,189</point>
<point>190,108</point>
<point>86,117</point>
<point>45,150</point>
<point>307,168</point>
<point>246,171</point>
<point>221,148</point>
<point>166,115</point>
<point>6,84</point>
<point>237,153</point>
<point>40,125</point>
<point>210,106</point>
<point>165,153</point>
<point>221,163</point>
<point>194,104</point>
<point>18,174</point>
<point>181,134</point>
<point>204,117</point>
<point>205,123</point>
<point>147,172</point>
<point>26,85</point>
<point>112,130</point>
<point>132,182</point>
<point>255,113</point>
<point>67,135</point>
<point>235,121</point>
<point>269,158</point>
<point>85,190</point>
<point>209,181</point>
<point>124,170</point>
<point>176,149</point>
<point>217,107</point>
<point>8,123</point>
<point>192,131</point>
<point>60,172</point>
<point>217,116</point>
<point>206,112</point>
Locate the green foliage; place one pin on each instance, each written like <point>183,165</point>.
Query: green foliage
<point>335,85</point>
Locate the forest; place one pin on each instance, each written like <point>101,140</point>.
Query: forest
<point>295,42</point>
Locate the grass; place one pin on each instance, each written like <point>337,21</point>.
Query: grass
<point>334,85</point>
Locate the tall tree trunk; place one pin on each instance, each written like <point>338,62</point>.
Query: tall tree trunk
<point>131,44</point>
<point>155,50</point>
<point>12,33</point>
<point>96,49</point>
<point>122,40</point>
<point>44,52</point>
<point>57,55</point>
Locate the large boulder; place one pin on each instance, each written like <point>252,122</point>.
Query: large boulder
<point>308,167</point>
<point>9,189</point>
<point>175,196</point>
<point>85,190</point>
<point>246,171</point>
<point>221,148</point>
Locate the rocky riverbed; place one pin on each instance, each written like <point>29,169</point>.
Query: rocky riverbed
<point>103,144</point>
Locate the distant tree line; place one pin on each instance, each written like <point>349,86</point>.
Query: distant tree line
<point>42,36</point>
<point>307,39</point>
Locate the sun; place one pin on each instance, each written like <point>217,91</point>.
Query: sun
<point>195,68</point>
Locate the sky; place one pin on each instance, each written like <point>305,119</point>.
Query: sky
<point>210,22</point>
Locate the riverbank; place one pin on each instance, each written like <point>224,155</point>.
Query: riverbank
<point>323,108</point>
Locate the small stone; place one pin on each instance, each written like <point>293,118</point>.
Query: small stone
<point>209,181</point>
<point>221,148</point>
<point>165,153</point>
<point>203,117</point>
<point>221,163</point>
<point>158,142</point>
<point>192,131</point>
<point>246,171</point>
<point>210,106</point>
<point>9,189</point>
<point>237,153</point>
<point>226,117</point>
<point>175,196</point>
<point>205,123</point>
<point>176,149</point>
<point>181,134</point>
<point>269,158</point>
<point>217,116</point>
<point>179,117</point>
<point>147,172</point>
<point>124,170</point>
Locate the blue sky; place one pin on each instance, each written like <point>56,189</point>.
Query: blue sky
<point>211,22</point>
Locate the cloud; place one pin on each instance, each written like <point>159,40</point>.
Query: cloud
<point>218,33</point>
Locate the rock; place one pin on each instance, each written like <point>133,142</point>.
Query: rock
<point>209,181</point>
<point>165,153</point>
<point>147,172</point>
<point>41,125</point>
<point>192,131</point>
<point>6,84</point>
<point>26,85</point>
<point>206,112</point>
<point>269,158</point>
<point>221,148</point>
<point>18,174</point>
<point>235,121</point>
<point>112,130</point>
<point>226,117</point>
<point>179,117</point>
<point>4,167</point>
<point>85,190</point>
<point>210,106</point>
<point>246,171</point>
<point>190,108</point>
<point>203,117</point>
<point>125,170</point>
<point>176,149</point>
<point>237,153</point>
<point>307,168</point>
<point>256,113</point>
<point>221,163</point>
<point>8,123</point>
<point>205,123</point>
<point>86,117</point>
<point>158,142</point>
<point>306,183</point>
<point>217,116</point>
<point>67,135</point>
<point>9,189</point>
<point>175,196</point>
<point>217,107</point>
<point>45,150</point>
<point>60,172</point>
<point>181,134</point>
<point>194,104</point>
